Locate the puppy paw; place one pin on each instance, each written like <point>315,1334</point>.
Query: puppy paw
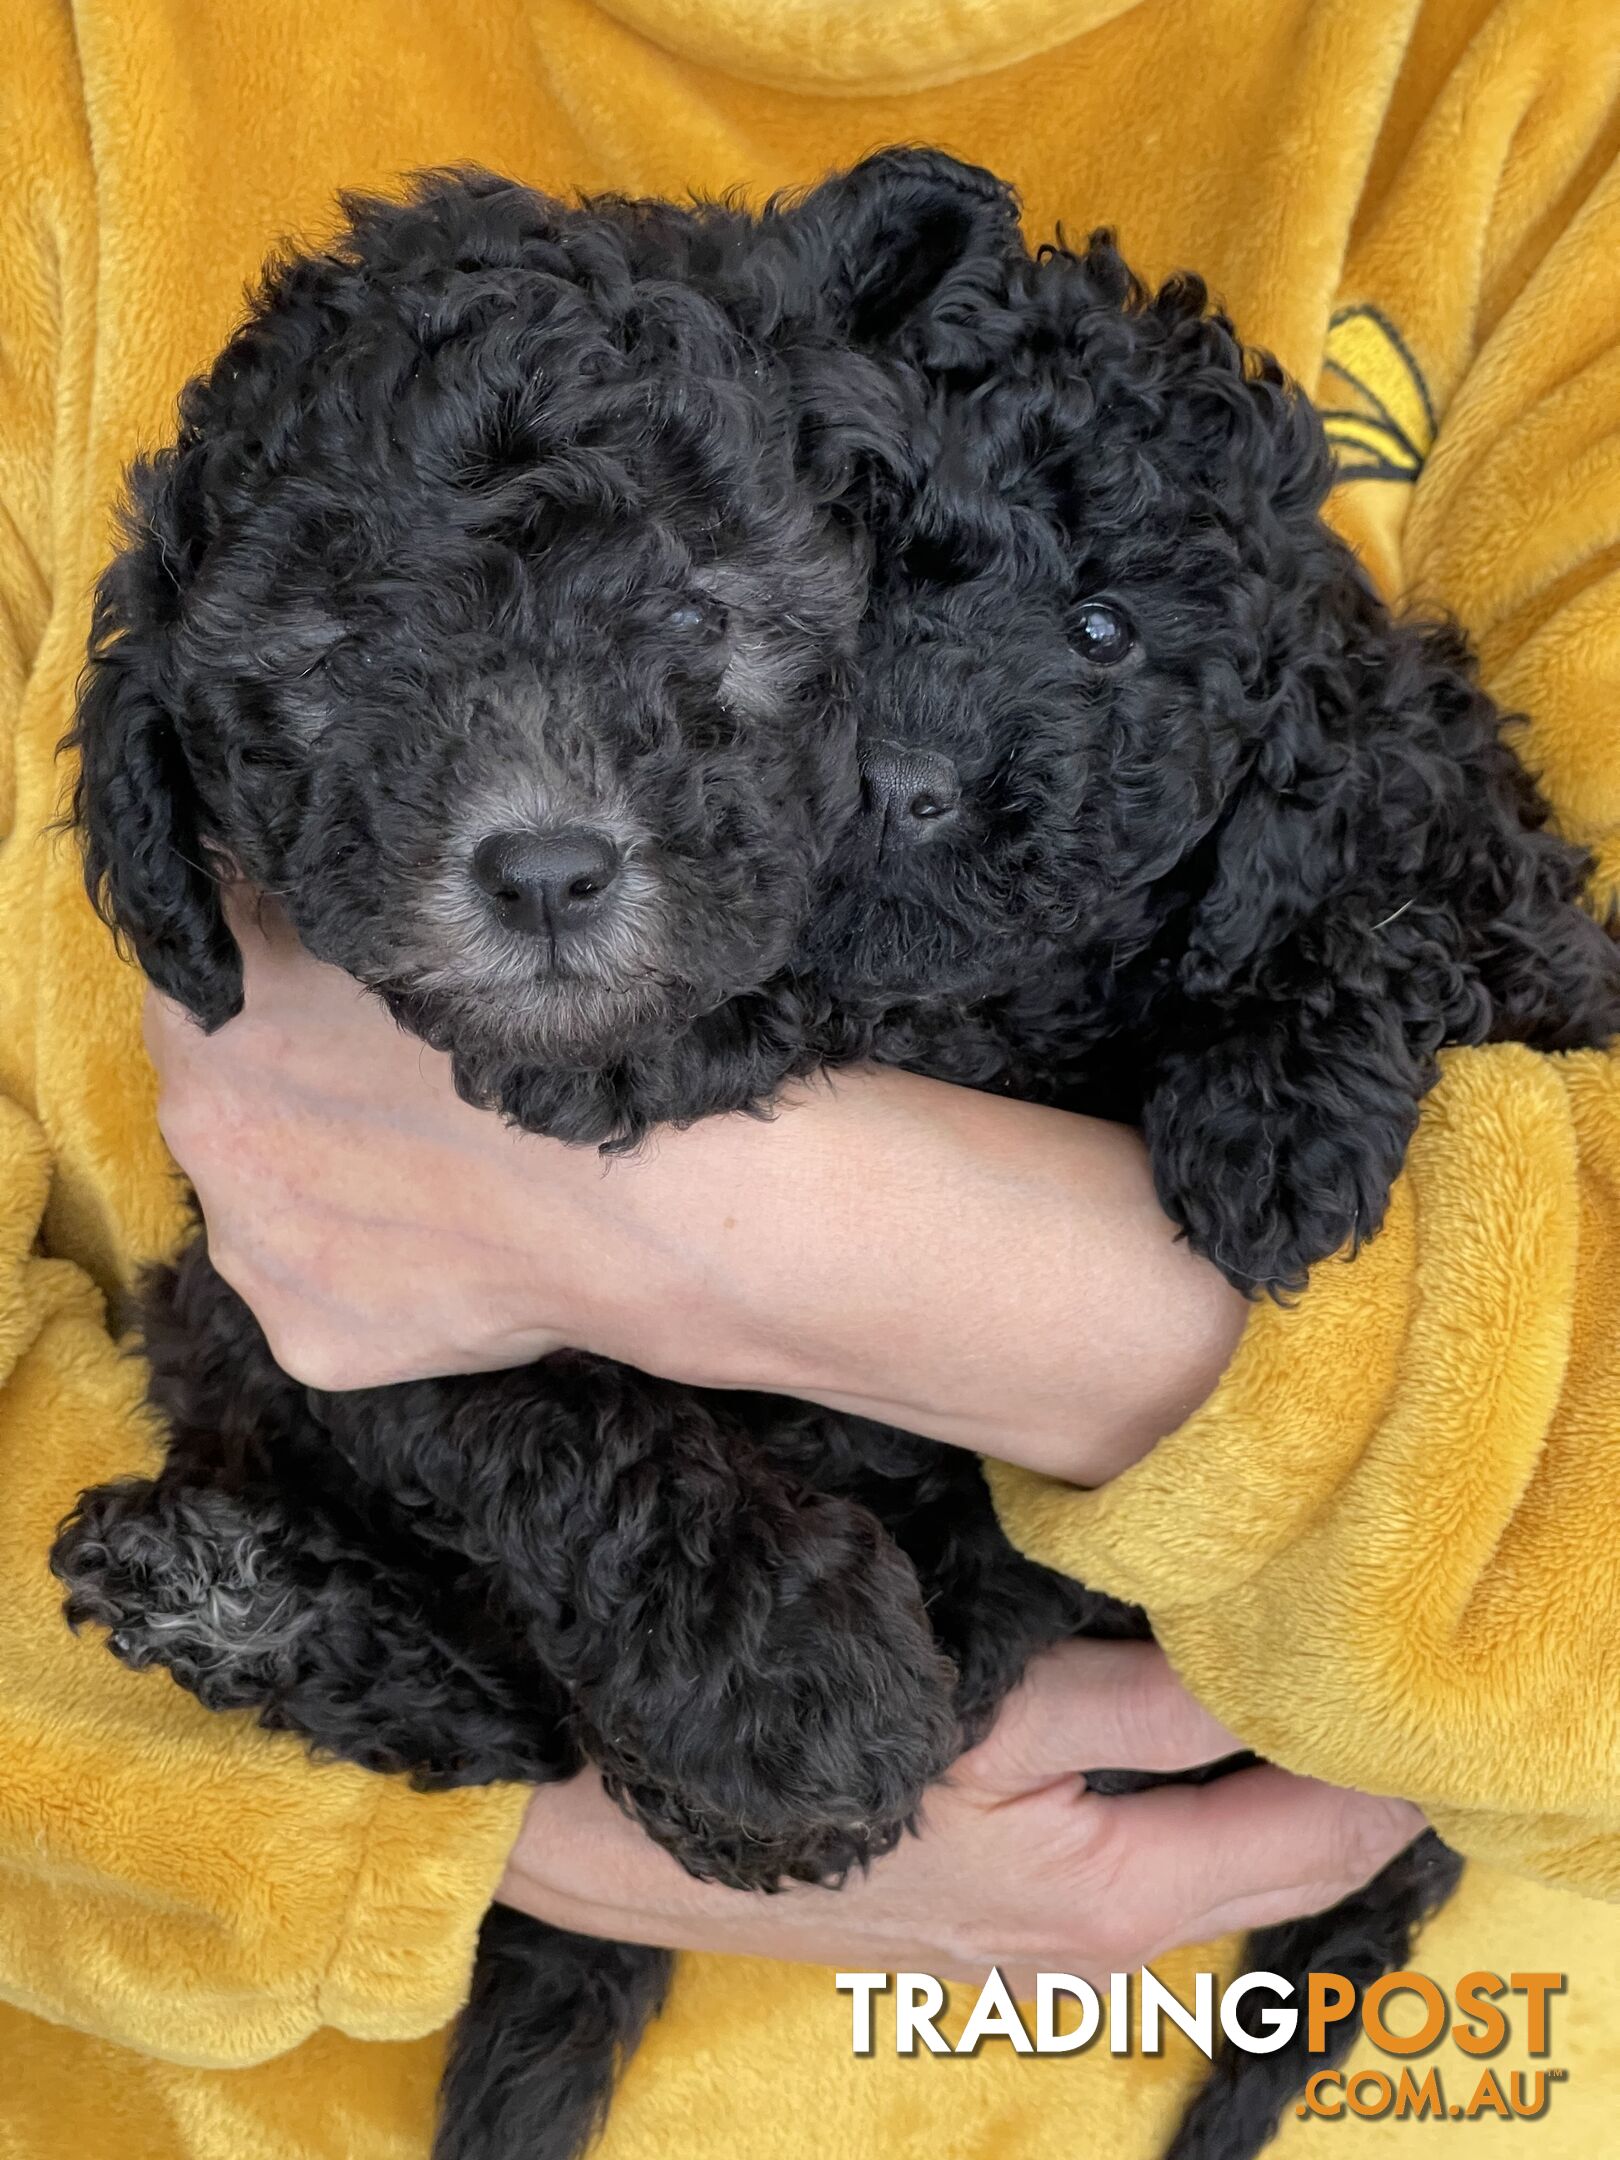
<point>185,1580</point>
<point>750,1859</point>
<point>806,1751</point>
<point>1270,1167</point>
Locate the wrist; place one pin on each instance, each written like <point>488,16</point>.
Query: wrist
<point>987,1273</point>
<point>580,1863</point>
<point>621,1256</point>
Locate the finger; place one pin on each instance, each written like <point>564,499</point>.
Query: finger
<point>1190,1862</point>
<point>161,1022</point>
<point>1096,1705</point>
<point>253,917</point>
<point>581,1863</point>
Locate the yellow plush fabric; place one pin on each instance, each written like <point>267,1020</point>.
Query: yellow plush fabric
<point>1384,1551</point>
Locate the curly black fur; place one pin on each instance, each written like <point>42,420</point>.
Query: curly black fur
<point>1271,843</point>
<point>943,651</point>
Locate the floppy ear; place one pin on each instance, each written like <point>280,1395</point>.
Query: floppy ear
<point>1382,816</point>
<point>1385,882</point>
<point>135,805</point>
<point>907,247</point>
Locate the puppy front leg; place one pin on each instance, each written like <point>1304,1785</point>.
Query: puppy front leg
<point>1276,1143</point>
<point>254,1603</point>
<point>258,1572</point>
<point>777,1708</point>
<point>749,1659</point>
<point>990,1608</point>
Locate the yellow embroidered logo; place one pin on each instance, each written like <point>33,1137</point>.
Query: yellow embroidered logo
<point>1375,404</point>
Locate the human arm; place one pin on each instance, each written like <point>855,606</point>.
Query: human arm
<point>1016,1866</point>
<point>981,1271</point>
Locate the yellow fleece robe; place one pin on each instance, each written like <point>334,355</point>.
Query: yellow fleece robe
<point>1385,1551</point>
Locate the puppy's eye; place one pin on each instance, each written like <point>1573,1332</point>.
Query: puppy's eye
<point>1102,633</point>
<point>692,617</point>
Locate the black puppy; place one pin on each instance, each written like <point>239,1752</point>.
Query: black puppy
<point>1112,661</point>
<point>1203,839</point>
<point>1274,841</point>
<point>495,611</point>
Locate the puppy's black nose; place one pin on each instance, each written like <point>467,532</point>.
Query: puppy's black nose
<point>545,881</point>
<point>915,792</point>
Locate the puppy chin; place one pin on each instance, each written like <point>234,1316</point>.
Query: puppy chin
<point>900,949</point>
<point>574,1024</point>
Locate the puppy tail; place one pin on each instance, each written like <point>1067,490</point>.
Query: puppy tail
<point>1236,2111</point>
<point>551,2020</point>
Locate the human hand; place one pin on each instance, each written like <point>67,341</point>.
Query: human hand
<point>1016,1865</point>
<point>358,1205</point>
<point>889,1246</point>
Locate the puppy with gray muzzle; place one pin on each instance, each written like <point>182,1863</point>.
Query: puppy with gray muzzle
<point>497,611</point>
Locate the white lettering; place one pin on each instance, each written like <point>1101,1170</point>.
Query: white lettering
<point>862,1986</point>
<point>918,2000</point>
<point>1279,2024</point>
<point>996,2013</point>
<point>1158,2003</point>
<point>1049,2040</point>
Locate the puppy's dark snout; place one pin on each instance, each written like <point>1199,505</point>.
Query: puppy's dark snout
<point>546,881</point>
<point>915,792</point>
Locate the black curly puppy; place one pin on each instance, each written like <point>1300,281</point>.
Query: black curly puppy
<point>495,611</point>
<point>1203,839</point>
<point>1275,841</point>
<point>1151,785</point>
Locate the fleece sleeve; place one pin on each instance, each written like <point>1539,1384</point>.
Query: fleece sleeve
<point>1387,1550</point>
<point>181,1883</point>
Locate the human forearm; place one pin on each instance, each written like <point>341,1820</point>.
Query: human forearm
<point>982,1271</point>
<point>988,1273</point>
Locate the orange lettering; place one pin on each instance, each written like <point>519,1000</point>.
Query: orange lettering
<point>1472,1988</point>
<point>1317,2089</point>
<point>1403,1983</point>
<point>1536,1987</point>
<point>1329,1999</point>
<point>1420,2100</point>
<point>1537,2104</point>
<point>1383,2093</point>
<point>1488,2094</point>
